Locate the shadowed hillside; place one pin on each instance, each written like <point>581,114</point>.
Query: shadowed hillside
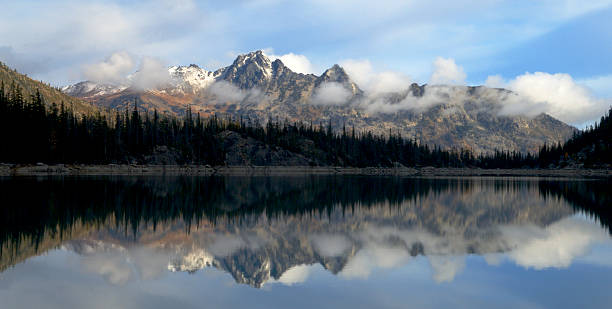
<point>28,87</point>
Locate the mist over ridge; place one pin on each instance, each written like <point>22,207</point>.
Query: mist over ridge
<point>260,88</point>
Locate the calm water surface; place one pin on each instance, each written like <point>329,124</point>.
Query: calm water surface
<point>304,242</point>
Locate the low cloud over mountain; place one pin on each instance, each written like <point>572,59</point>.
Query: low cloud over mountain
<point>258,88</point>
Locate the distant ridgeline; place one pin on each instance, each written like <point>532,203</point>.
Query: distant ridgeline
<point>32,131</point>
<point>134,207</point>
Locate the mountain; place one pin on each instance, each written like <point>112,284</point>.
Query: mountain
<point>89,89</point>
<point>258,89</point>
<point>50,94</point>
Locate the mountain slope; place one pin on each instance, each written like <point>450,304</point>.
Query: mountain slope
<point>255,88</point>
<point>50,95</point>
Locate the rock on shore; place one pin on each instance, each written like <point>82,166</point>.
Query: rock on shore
<point>206,170</point>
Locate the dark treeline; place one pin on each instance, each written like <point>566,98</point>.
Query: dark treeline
<point>154,200</point>
<point>29,220</point>
<point>591,147</point>
<point>32,131</point>
<point>592,198</point>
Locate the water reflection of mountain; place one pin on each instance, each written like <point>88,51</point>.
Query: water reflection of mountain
<point>259,228</point>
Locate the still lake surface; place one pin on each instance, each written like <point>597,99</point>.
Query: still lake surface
<point>304,242</point>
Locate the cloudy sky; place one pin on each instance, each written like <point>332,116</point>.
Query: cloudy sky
<point>497,42</point>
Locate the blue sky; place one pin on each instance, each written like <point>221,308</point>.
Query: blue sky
<point>56,40</point>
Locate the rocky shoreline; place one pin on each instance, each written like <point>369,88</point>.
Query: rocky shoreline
<point>205,170</point>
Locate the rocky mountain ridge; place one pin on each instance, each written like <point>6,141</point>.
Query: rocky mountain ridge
<point>258,89</point>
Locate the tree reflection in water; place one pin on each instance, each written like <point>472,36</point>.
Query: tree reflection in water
<point>263,229</point>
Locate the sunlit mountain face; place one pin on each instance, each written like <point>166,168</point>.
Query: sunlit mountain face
<point>258,89</point>
<point>268,232</point>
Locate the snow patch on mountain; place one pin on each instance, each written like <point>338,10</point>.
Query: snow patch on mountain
<point>192,262</point>
<point>88,89</point>
<point>193,76</point>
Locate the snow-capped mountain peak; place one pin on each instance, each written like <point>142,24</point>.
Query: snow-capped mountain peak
<point>191,262</point>
<point>249,70</point>
<point>193,76</point>
<point>88,89</point>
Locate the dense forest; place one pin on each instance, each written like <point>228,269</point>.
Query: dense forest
<point>591,147</point>
<point>32,131</point>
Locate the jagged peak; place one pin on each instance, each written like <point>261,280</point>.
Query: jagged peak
<point>90,88</point>
<point>279,67</point>
<point>335,74</point>
<point>278,62</point>
<point>191,67</point>
<point>336,67</point>
<point>248,70</point>
<point>253,57</point>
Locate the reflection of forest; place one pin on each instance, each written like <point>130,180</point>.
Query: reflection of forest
<point>257,228</point>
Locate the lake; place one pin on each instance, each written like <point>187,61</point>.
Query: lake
<point>305,242</point>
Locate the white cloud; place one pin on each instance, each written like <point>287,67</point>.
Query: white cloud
<point>372,257</point>
<point>331,93</point>
<point>561,96</point>
<point>555,246</point>
<point>225,245</point>
<point>295,274</point>
<point>495,81</point>
<point>330,245</point>
<point>372,82</point>
<point>69,33</point>
<point>572,8</point>
<point>119,265</point>
<point>72,32</point>
<point>433,95</point>
<point>446,71</point>
<point>225,92</point>
<point>113,267</point>
<point>151,263</point>
<point>151,74</point>
<point>22,64</point>
<point>600,85</point>
<point>445,268</point>
<point>113,70</point>
<point>555,94</point>
<point>118,69</point>
<point>297,63</point>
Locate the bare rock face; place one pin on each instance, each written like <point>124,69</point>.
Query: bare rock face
<point>336,74</point>
<point>241,151</point>
<point>259,90</point>
<point>248,71</point>
<point>162,155</point>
